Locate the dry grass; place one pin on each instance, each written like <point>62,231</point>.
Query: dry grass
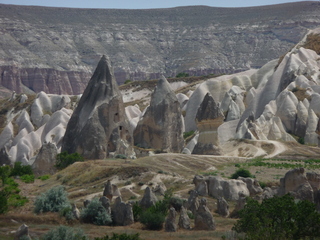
<point>313,42</point>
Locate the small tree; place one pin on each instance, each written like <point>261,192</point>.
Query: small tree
<point>64,159</point>
<point>279,218</point>
<point>20,170</point>
<point>52,201</point>
<point>241,173</point>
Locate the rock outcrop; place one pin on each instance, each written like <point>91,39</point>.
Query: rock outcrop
<point>161,126</point>
<point>184,220</point>
<point>252,185</point>
<point>203,219</point>
<point>148,199</point>
<point>122,214</point>
<point>22,232</point>
<point>170,223</point>
<point>209,117</point>
<point>75,212</point>
<point>106,204</point>
<point>45,160</point>
<point>98,125</point>
<point>222,207</point>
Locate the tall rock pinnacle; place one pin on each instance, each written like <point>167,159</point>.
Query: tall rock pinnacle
<point>98,125</point>
<point>161,126</point>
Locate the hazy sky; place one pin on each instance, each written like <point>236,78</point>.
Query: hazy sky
<point>139,4</point>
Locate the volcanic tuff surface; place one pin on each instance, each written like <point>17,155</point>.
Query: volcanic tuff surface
<point>56,49</point>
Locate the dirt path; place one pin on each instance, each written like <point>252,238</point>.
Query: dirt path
<point>278,148</point>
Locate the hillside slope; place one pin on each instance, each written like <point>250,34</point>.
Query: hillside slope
<point>55,49</point>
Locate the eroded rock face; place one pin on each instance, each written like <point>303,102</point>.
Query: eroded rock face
<point>22,232</point>
<point>122,214</point>
<point>45,160</point>
<point>296,183</point>
<point>184,220</point>
<point>161,127</point>
<point>170,224</point>
<point>252,185</point>
<point>149,199</point>
<point>222,207</point>
<point>203,218</point>
<point>98,125</point>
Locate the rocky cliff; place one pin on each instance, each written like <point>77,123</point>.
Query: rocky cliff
<point>56,49</point>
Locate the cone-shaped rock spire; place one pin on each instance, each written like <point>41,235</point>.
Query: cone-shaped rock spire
<point>161,127</point>
<point>98,125</point>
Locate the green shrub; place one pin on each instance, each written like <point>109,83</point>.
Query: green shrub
<point>64,159</point>
<point>52,201</point>
<point>64,233</point>
<point>95,213</point>
<point>176,202</point>
<point>67,213</point>
<point>4,174</point>
<point>279,218</point>
<point>123,236</point>
<point>137,210</point>
<point>121,156</point>
<point>44,177</point>
<point>127,81</point>
<point>182,74</point>
<point>241,172</point>
<point>301,140</point>
<point>20,170</point>
<point>3,203</point>
<point>152,220</point>
<point>188,134</point>
<point>27,178</point>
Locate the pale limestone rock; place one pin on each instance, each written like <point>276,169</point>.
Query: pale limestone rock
<point>184,220</point>
<point>203,218</point>
<point>222,207</point>
<point>252,185</point>
<point>122,213</point>
<point>45,160</point>
<point>148,199</point>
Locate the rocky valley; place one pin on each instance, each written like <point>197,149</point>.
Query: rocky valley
<point>210,144</point>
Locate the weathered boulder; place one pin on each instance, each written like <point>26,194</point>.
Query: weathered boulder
<point>122,214</point>
<point>105,203</point>
<point>75,212</point>
<point>229,189</point>
<point>269,192</point>
<point>203,218</point>
<point>22,232</point>
<point>170,223</point>
<point>99,124</point>
<point>184,220</point>
<point>4,157</point>
<point>222,207</point>
<point>200,185</point>
<point>252,185</point>
<point>108,191</point>
<point>296,183</point>
<point>161,126</point>
<point>45,160</point>
<point>148,199</point>
<point>193,201</point>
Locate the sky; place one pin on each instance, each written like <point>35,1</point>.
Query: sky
<point>143,4</point>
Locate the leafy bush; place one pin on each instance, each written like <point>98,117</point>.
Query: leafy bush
<point>67,213</point>
<point>64,159</point>
<point>242,173</point>
<point>4,174</point>
<point>44,177</point>
<point>136,210</point>
<point>20,170</point>
<point>3,203</point>
<point>153,220</point>
<point>52,201</point>
<point>188,134</point>
<point>27,178</point>
<point>95,213</point>
<point>64,232</point>
<point>154,217</point>
<point>301,140</point>
<point>182,74</point>
<point>127,81</point>
<point>122,236</point>
<point>279,218</point>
